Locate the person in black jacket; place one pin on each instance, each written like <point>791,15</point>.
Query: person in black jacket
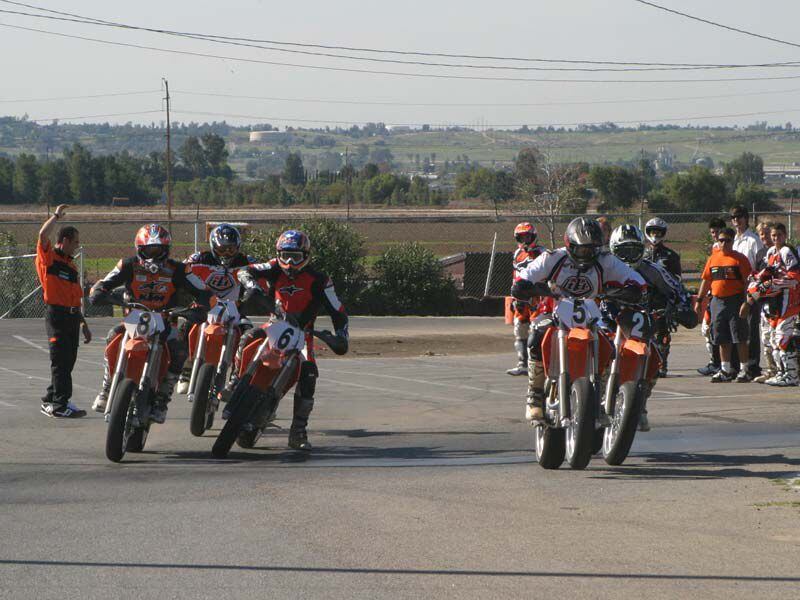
<point>655,230</point>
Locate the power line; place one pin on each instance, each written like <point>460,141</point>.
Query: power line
<point>376,50</point>
<point>230,41</point>
<point>391,73</point>
<point>720,25</point>
<point>110,95</point>
<point>125,114</point>
<point>485,104</point>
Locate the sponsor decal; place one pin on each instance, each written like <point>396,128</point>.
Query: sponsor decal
<point>290,290</point>
<point>577,285</point>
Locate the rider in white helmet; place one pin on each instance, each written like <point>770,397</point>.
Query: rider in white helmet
<point>655,230</point>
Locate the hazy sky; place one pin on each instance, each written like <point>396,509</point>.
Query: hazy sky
<point>42,66</point>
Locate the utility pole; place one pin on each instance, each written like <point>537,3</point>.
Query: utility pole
<point>169,159</point>
<point>347,179</point>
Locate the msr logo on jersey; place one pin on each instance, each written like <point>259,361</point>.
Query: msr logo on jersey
<point>577,285</point>
<point>290,290</point>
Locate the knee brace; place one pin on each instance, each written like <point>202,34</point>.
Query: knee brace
<point>536,336</point>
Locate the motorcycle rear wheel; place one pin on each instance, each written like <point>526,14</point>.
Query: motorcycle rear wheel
<point>198,423</point>
<point>230,431</point>
<point>118,434</point>
<point>549,445</point>
<point>580,432</point>
<point>619,435</point>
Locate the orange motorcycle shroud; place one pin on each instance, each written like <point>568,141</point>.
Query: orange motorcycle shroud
<point>215,340</point>
<point>579,345</point>
<point>267,370</point>
<point>136,350</point>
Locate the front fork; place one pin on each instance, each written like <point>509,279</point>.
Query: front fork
<point>563,376</point>
<point>198,361</point>
<point>119,373</point>
<point>613,373</point>
<point>149,377</point>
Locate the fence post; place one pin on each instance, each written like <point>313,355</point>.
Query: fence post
<point>491,267</point>
<point>196,224</point>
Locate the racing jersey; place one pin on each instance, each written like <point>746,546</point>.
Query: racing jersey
<point>667,257</point>
<point>582,282</point>
<point>302,295</point>
<point>781,277</point>
<point>221,280</point>
<point>156,290</point>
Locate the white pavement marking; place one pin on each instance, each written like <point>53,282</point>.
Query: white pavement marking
<point>46,351</point>
<point>671,393</point>
<point>28,376</point>
<point>6,404</point>
<point>427,382</point>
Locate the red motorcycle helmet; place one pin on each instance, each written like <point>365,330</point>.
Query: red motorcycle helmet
<point>153,243</point>
<point>293,250</point>
<point>525,233</point>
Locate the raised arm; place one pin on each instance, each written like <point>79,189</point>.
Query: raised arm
<point>47,228</point>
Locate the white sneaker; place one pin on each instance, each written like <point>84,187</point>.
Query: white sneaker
<point>786,381</point>
<point>776,380</point>
<point>100,401</point>
<point>518,370</point>
<point>182,387</point>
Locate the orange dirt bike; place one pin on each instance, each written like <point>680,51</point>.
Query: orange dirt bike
<point>139,358</point>
<point>268,369</point>
<point>575,354</point>
<point>631,378</point>
<point>213,346</point>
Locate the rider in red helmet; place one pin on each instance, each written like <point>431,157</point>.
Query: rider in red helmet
<point>298,291</point>
<point>151,278</point>
<point>527,250</point>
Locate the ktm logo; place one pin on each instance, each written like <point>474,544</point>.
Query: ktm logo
<point>290,290</point>
<point>577,285</point>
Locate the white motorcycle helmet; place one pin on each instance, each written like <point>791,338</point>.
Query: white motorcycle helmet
<point>627,244</point>
<point>656,230</point>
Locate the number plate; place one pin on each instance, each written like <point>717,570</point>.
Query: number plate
<point>636,324</point>
<point>572,313</point>
<point>284,337</point>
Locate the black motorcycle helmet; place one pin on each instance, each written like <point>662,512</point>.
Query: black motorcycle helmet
<point>225,242</point>
<point>583,240</point>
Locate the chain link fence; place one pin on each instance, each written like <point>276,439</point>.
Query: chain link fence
<point>475,251</point>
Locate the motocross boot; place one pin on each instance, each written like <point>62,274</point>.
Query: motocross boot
<point>521,331</point>
<point>158,412</point>
<point>101,400</point>
<point>644,422</point>
<point>183,380</point>
<point>298,436</point>
<point>534,406</point>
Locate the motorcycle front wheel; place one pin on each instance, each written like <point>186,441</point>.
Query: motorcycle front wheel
<point>580,431</point>
<point>200,418</point>
<point>619,435</point>
<point>119,429</point>
<point>240,399</point>
<point>549,444</point>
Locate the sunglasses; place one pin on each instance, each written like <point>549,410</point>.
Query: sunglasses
<point>737,217</point>
<point>724,240</point>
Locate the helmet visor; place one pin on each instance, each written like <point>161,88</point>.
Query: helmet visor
<point>524,238</point>
<point>153,252</point>
<point>629,253</point>
<point>226,251</point>
<point>584,252</point>
<point>656,233</point>
<point>291,257</point>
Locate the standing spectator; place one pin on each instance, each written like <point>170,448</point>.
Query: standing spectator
<point>777,284</point>
<point>725,275</point>
<point>763,230</point>
<point>63,319</point>
<point>748,243</point>
<point>715,225</point>
<point>656,232</point>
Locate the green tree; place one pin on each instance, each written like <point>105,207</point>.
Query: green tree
<point>370,170</point>
<point>528,164</point>
<point>697,190</point>
<point>749,194</point>
<point>6,180</point>
<point>79,166</point>
<point>293,171</point>
<point>409,280</point>
<point>747,169</point>
<point>26,179</point>
<point>55,182</point>
<point>617,186</point>
<point>216,156</point>
<point>193,156</point>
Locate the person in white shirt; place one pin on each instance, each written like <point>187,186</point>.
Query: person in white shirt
<point>749,243</point>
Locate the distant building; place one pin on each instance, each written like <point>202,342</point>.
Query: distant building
<point>262,136</point>
<point>787,171</point>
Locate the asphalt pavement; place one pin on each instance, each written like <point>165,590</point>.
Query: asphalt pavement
<point>422,484</point>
